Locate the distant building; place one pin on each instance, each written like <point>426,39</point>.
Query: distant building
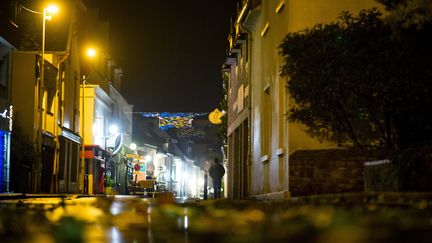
<point>181,153</point>
<point>104,106</point>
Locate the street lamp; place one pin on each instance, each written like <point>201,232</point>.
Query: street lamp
<point>91,53</point>
<point>135,169</point>
<point>133,146</point>
<point>113,129</point>
<point>82,165</point>
<point>46,15</point>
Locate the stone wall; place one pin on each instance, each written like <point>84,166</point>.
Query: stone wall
<point>409,170</point>
<point>330,170</point>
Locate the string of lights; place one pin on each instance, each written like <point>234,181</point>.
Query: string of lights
<point>169,120</point>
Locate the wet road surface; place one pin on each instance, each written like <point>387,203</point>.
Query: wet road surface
<point>362,218</point>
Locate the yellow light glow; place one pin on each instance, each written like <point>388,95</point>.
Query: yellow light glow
<point>91,52</point>
<point>51,9</point>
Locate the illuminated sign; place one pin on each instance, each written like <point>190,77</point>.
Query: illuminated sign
<point>6,118</point>
<point>71,136</point>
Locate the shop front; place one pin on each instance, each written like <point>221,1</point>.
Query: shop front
<point>94,169</point>
<point>68,167</point>
<point>5,136</point>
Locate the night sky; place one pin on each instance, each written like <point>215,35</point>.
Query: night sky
<point>171,51</point>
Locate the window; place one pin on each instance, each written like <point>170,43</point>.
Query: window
<point>266,122</point>
<point>3,70</point>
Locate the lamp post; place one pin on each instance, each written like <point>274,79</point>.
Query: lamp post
<point>135,169</point>
<point>105,163</point>
<point>90,53</point>
<point>82,165</point>
<point>51,9</point>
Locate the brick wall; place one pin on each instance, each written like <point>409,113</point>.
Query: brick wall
<point>330,170</point>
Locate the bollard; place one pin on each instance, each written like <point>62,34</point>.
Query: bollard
<point>90,184</point>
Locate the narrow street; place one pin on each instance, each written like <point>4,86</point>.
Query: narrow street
<point>215,121</point>
<point>388,217</point>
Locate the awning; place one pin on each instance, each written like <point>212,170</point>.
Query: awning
<point>93,152</point>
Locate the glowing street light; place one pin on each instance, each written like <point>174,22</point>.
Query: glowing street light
<point>48,12</point>
<point>50,9</point>
<point>133,146</point>
<point>91,52</point>
<point>113,129</point>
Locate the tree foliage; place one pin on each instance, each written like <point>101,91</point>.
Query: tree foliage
<point>411,22</point>
<point>392,4</point>
<point>351,81</point>
<point>22,158</point>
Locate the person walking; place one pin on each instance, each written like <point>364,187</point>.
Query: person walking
<point>205,185</point>
<point>217,171</point>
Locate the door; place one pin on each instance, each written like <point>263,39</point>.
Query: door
<point>47,168</point>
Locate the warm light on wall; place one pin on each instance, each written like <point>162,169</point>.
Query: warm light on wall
<point>265,29</point>
<point>280,6</point>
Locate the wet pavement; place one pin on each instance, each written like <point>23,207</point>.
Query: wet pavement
<point>334,218</point>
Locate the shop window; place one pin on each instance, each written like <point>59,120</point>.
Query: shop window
<point>74,163</point>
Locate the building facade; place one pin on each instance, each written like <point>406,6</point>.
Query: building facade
<point>8,37</point>
<point>122,115</point>
<point>103,106</point>
<point>96,118</point>
<point>46,109</point>
<point>260,138</point>
<point>50,112</point>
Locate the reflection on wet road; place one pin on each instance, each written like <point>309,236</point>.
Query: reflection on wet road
<point>135,219</point>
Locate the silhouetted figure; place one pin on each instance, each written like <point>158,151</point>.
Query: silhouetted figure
<point>205,186</point>
<point>217,171</point>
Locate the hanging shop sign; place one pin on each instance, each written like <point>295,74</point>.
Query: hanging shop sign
<point>118,143</point>
<point>215,116</point>
<point>137,167</point>
<point>133,156</point>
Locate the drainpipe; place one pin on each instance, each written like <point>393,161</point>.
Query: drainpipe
<point>244,29</point>
<point>57,109</point>
<point>54,182</point>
